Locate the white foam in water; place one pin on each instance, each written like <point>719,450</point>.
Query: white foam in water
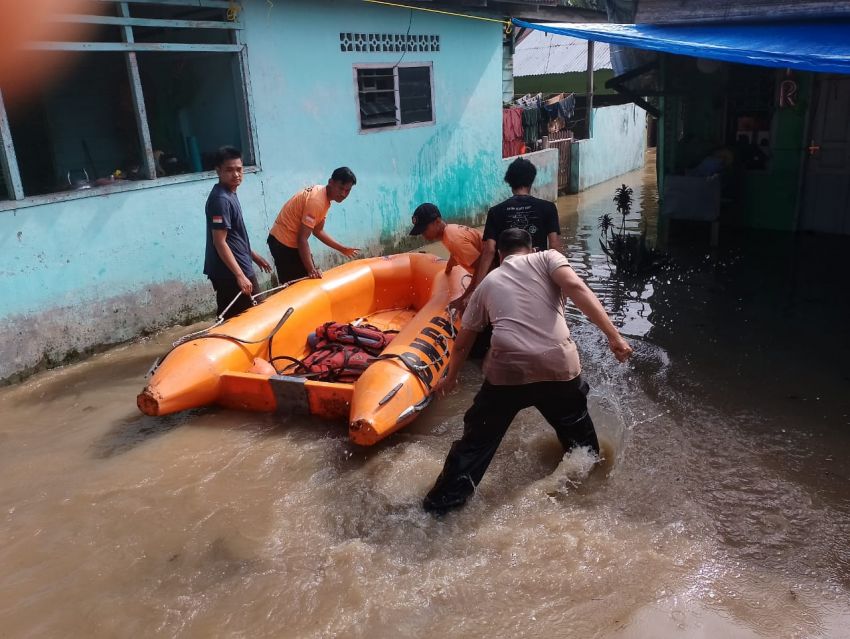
<point>577,464</point>
<point>574,469</point>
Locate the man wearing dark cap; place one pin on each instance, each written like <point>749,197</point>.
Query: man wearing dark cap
<point>465,246</point>
<point>463,243</point>
<point>532,361</point>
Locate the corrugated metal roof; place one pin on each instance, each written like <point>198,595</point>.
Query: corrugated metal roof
<point>541,53</point>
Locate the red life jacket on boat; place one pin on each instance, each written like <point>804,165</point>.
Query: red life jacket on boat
<point>369,338</point>
<point>334,362</point>
<point>341,352</point>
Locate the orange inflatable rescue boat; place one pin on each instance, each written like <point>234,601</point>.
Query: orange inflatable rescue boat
<point>408,293</point>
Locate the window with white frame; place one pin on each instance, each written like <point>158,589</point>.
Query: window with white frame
<point>395,96</point>
<point>146,90</point>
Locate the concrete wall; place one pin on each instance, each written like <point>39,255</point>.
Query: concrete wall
<point>618,146</point>
<point>98,270</point>
<point>546,183</point>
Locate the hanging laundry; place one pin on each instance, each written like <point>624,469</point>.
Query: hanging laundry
<point>531,125</point>
<point>528,100</point>
<point>542,120</point>
<point>567,106</point>
<point>551,104</point>
<point>551,109</point>
<point>512,132</point>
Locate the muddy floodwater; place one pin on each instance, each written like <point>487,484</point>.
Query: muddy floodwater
<point>722,508</point>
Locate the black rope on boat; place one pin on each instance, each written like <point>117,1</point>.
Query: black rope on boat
<point>231,338</point>
<point>269,337</point>
<point>293,361</point>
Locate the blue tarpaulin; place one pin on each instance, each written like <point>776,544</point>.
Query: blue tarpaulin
<point>807,46</point>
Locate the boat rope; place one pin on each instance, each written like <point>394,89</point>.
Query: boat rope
<point>418,369</point>
<point>221,319</point>
<point>239,340</point>
<point>232,338</point>
<point>204,333</point>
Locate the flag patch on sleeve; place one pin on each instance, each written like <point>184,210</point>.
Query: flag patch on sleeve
<point>217,219</point>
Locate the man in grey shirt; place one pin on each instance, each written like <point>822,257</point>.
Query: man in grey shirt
<point>532,361</point>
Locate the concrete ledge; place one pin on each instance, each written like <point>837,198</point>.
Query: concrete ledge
<point>33,342</point>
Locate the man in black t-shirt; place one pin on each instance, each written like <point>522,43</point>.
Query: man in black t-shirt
<point>229,260</point>
<point>520,211</point>
<point>524,211</point>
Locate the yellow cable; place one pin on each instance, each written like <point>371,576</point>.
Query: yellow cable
<point>508,25</point>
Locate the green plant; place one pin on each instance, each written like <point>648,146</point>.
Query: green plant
<point>629,252</point>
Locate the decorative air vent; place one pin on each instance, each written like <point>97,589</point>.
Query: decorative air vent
<point>376,42</point>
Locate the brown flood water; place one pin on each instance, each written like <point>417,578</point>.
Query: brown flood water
<point>722,509</point>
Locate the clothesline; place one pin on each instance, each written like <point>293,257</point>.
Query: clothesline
<point>532,118</point>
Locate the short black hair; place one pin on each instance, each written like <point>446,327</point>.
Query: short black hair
<point>520,173</point>
<point>344,175</point>
<point>512,240</point>
<point>226,153</point>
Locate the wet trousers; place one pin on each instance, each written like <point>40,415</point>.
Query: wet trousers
<point>226,289</point>
<point>562,404</point>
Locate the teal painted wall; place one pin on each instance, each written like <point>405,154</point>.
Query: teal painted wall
<point>304,100</point>
<point>103,269</point>
<point>618,146</point>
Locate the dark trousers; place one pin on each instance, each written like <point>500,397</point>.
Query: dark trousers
<point>226,289</point>
<point>562,404</point>
<point>287,261</point>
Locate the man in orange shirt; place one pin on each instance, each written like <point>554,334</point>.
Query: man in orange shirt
<point>304,215</point>
<point>464,244</point>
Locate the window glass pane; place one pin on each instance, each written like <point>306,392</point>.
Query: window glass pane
<point>158,35</point>
<point>4,192</point>
<point>376,94</point>
<point>414,88</point>
<point>78,131</point>
<point>195,104</point>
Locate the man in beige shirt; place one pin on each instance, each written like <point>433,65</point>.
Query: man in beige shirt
<point>532,361</point>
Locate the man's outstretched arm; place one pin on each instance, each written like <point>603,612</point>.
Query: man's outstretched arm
<point>584,299</point>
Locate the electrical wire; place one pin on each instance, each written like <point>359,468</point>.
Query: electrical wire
<point>508,25</point>
<point>404,48</point>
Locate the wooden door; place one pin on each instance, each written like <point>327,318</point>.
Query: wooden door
<point>826,204</point>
